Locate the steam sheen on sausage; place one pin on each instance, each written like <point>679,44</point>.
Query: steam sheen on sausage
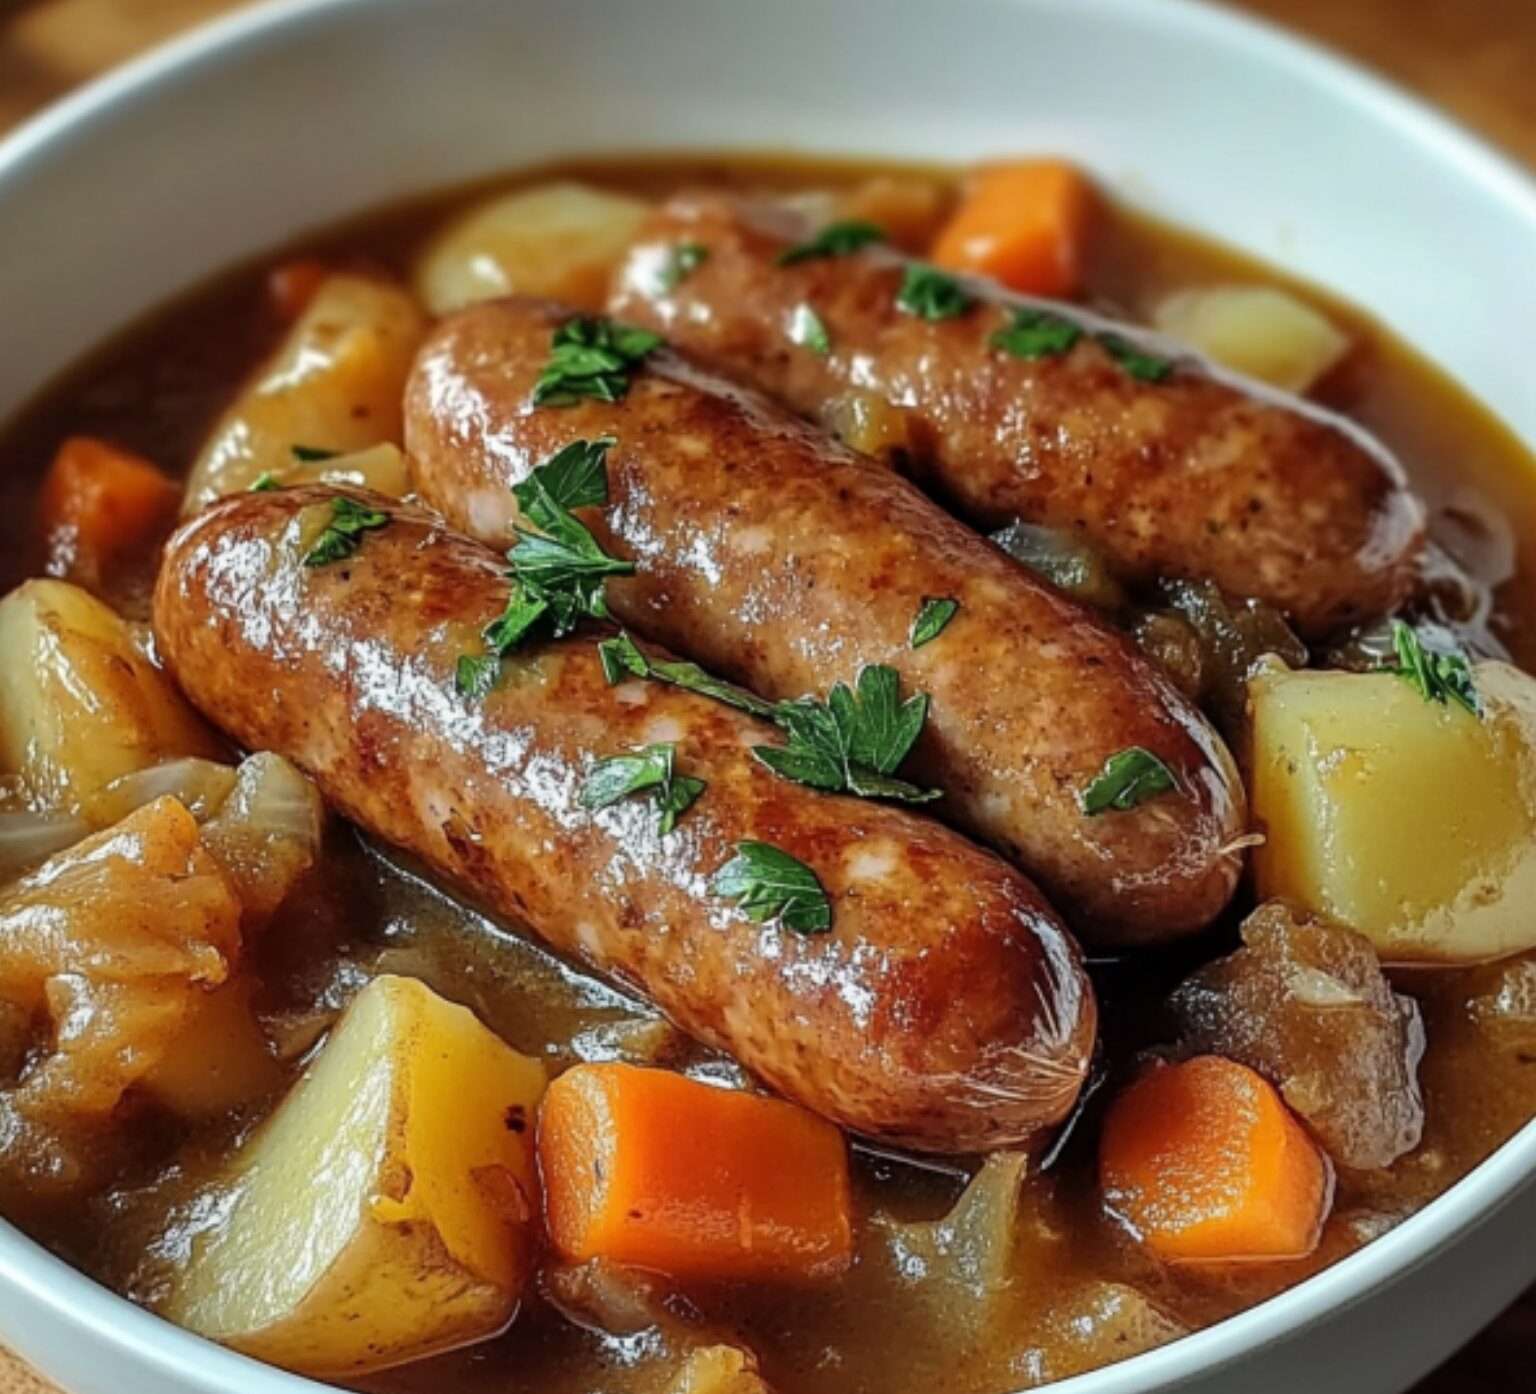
<point>779,558</point>
<point>946,1009</point>
<point>1198,475</point>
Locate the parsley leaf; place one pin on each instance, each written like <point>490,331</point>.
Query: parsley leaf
<point>1141,365</point>
<point>930,294</point>
<point>851,743</point>
<point>682,261</point>
<point>592,357</point>
<point>806,329</point>
<point>1036,334</point>
<point>648,770</point>
<point>933,614</point>
<point>834,240</point>
<point>767,883</point>
<point>475,674</point>
<point>558,573</point>
<point>344,535</point>
<point>308,454</point>
<point>1129,777</point>
<point>621,655</point>
<point>854,741</point>
<point>1437,676</point>
<point>264,483</point>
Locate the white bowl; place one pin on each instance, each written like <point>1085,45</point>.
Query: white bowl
<point>288,115</point>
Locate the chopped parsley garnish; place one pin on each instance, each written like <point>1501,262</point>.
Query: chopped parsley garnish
<point>622,657</point>
<point>1129,777</point>
<point>592,357</point>
<point>767,883</point>
<point>682,261</point>
<point>834,240</point>
<point>264,483</point>
<point>344,534</point>
<point>308,454</point>
<point>854,741</point>
<point>1437,676</point>
<point>1036,334</point>
<point>649,770</point>
<point>930,294</point>
<point>806,329</point>
<point>558,573</point>
<point>1141,365</point>
<point>933,614</point>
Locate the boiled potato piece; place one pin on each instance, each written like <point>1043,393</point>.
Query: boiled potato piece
<point>335,383</point>
<point>219,1060</point>
<point>1261,331</point>
<point>385,1211</point>
<point>559,240</point>
<point>80,705</point>
<point>1411,821</point>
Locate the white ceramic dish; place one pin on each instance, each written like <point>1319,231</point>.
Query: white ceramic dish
<point>291,114</point>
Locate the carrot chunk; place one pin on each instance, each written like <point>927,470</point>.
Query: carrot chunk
<point>98,504</point>
<point>1023,224</point>
<point>1205,1163</point>
<point>291,285</point>
<point>647,1168</point>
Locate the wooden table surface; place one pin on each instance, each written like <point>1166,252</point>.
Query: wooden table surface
<point>1477,58</point>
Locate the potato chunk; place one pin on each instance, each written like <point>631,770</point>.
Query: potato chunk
<point>1410,821</point>
<point>335,383</point>
<point>385,1211</point>
<point>1262,331</point>
<point>80,705</point>
<point>1306,1005</point>
<point>559,240</point>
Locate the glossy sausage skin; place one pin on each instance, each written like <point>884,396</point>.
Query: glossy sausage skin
<point>946,1010</point>
<point>1200,475</point>
<point>777,557</point>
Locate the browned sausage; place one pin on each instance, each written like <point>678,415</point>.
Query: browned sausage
<point>946,1009</point>
<point>778,558</point>
<point>1198,475</point>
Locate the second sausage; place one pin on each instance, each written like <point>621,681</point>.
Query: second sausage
<point>786,562</point>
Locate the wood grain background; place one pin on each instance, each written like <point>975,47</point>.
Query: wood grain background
<point>1476,58</point>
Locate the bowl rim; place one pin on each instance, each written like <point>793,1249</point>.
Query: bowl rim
<point>116,1323</point>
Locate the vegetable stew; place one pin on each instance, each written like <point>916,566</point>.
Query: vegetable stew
<point>635,777</point>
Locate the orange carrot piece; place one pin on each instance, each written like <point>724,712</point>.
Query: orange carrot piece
<point>1205,1163</point>
<point>292,285</point>
<point>98,503</point>
<point>648,1168</point>
<point>1023,224</point>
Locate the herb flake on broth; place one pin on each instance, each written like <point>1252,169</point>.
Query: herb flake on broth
<point>807,330</point>
<point>1438,677</point>
<point>1135,360</point>
<point>682,261</point>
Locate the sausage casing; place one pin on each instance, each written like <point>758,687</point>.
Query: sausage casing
<point>1197,475</point>
<point>775,556</point>
<point>945,1010</point>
